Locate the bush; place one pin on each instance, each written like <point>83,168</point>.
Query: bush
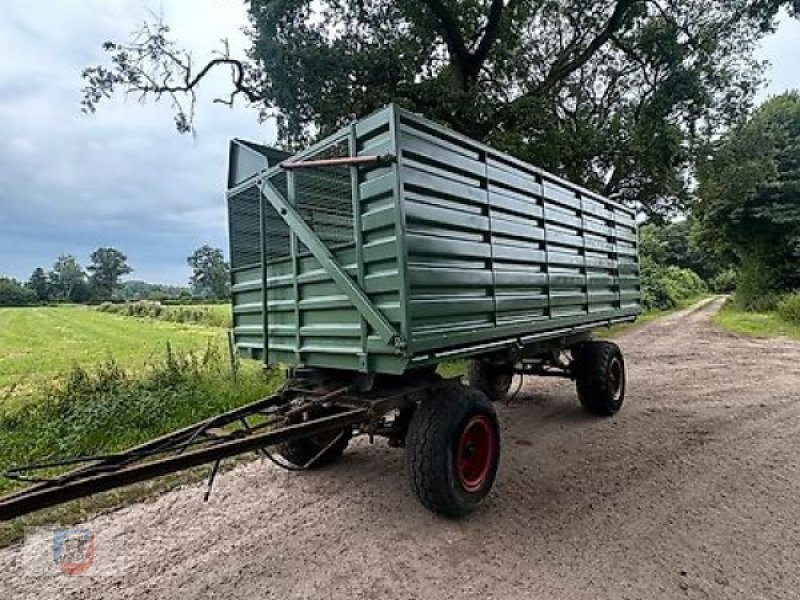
<point>13,293</point>
<point>762,302</point>
<point>725,281</point>
<point>668,287</point>
<point>789,307</point>
<point>757,287</point>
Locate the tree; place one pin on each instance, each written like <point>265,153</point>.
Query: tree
<point>108,266</point>
<point>40,285</point>
<point>210,273</point>
<point>13,293</point>
<point>141,290</point>
<point>620,95</point>
<point>674,244</point>
<point>67,280</point>
<point>749,199</point>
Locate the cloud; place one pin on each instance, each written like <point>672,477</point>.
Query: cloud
<point>123,177</point>
<point>782,49</point>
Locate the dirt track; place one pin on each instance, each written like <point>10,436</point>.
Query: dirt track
<point>692,491</point>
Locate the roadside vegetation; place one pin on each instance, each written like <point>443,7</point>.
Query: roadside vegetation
<point>108,407</point>
<point>748,213</point>
<point>77,381</point>
<point>784,320</point>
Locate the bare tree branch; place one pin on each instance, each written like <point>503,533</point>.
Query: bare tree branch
<point>152,65</point>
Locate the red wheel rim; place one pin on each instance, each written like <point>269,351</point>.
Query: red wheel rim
<point>475,453</point>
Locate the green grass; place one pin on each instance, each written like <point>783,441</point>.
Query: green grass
<point>37,343</point>
<point>769,324</point>
<point>107,408</point>
<point>75,381</point>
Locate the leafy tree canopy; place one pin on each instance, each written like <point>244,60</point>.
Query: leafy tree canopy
<point>141,290</point>
<point>749,203</point>
<point>39,283</point>
<point>68,280</point>
<point>676,244</point>
<point>210,272</point>
<point>13,293</point>
<point>107,267</point>
<point>619,95</point>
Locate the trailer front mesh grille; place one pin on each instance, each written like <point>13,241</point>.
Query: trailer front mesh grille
<point>323,197</point>
<point>244,226</point>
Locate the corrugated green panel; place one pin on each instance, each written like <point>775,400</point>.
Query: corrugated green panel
<point>329,324</point>
<point>507,247</point>
<point>446,222</point>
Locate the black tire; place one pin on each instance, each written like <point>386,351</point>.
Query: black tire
<point>493,380</point>
<point>599,369</point>
<point>300,452</point>
<point>448,475</point>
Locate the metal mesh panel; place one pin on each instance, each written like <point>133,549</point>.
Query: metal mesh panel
<point>277,231</point>
<point>324,198</point>
<point>244,226</point>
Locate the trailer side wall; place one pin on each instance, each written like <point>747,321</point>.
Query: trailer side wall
<point>498,248</point>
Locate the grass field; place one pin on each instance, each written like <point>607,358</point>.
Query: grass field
<point>77,381</point>
<point>754,324</point>
<point>36,343</point>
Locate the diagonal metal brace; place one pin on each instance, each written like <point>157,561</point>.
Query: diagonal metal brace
<point>351,289</point>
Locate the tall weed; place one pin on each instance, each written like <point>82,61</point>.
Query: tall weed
<point>108,408</point>
<point>789,307</point>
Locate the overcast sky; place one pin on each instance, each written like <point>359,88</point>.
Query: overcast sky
<point>123,177</point>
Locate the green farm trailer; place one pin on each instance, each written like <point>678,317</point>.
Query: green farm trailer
<point>364,262</point>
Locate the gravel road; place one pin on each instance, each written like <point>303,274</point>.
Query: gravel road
<point>692,491</point>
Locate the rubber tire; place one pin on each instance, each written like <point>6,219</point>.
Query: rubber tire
<point>593,363</point>
<point>299,452</point>
<point>431,443</point>
<point>483,375</point>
